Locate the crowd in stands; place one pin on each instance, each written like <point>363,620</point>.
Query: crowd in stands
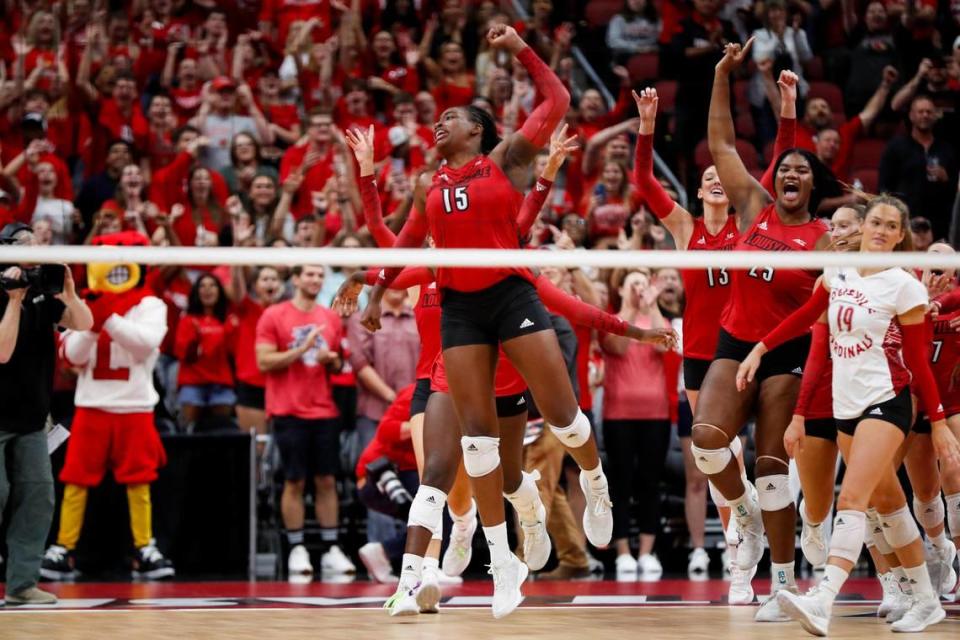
<point>221,123</point>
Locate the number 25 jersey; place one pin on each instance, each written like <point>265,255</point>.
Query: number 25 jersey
<point>763,296</point>
<point>865,337</point>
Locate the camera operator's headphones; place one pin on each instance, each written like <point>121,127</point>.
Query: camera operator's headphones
<point>9,233</point>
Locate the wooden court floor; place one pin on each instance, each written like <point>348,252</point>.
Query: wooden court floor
<point>547,623</point>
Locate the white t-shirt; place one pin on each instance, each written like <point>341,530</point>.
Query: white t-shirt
<point>60,214</point>
<point>865,336</point>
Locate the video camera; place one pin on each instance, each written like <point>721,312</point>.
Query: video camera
<point>383,473</point>
<point>46,279</point>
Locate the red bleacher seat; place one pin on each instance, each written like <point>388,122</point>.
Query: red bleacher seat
<point>748,153</point>
<point>745,126</point>
<point>644,66</point>
<point>866,153</point>
<point>667,94</point>
<point>813,69</point>
<point>869,178</point>
<point>599,12</point>
<point>829,92</point>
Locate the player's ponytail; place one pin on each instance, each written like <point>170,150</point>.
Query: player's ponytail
<point>489,138</point>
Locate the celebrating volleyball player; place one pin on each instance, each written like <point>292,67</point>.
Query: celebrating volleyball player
<point>706,290</point>
<point>877,340</point>
<point>759,299</point>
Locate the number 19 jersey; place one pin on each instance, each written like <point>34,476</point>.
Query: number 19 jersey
<point>865,336</point>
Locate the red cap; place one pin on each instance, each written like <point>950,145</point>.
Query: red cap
<point>221,83</point>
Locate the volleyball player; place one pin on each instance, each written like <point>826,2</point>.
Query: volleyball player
<point>706,291</point>
<point>472,202</point>
<point>759,299</point>
<point>877,340</point>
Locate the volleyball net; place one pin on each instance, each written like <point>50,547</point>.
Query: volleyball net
<point>368,257</point>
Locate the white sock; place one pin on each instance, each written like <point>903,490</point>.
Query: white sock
<point>526,498</point>
<point>431,563</point>
<point>781,576</point>
<point>941,541</point>
<point>833,579</point>
<point>464,519</point>
<point>902,580</point>
<point>595,477</point>
<point>497,542</point>
<point>411,570</point>
<point>919,580</point>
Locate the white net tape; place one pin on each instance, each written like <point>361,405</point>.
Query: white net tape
<point>470,257</point>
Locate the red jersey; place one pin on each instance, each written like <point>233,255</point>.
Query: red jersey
<point>248,313</point>
<point>706,290</point>
<point>388,442</point>
<point>944,360</point>
<point>763,296</point>
<point>427,314</point>
<point>204,346</point>
<point>474,207</point>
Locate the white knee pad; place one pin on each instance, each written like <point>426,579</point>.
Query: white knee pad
<point>899,527</point>
<point>848,533</point>
<point>716,496</point>
<point>928,514</point>
<point>426,510</point>
<point>774,492</point>
<point>576,434</point>
<point>481,455</point>
<point>953,514</point>
<point>711,461</point>
<point>874,533</point>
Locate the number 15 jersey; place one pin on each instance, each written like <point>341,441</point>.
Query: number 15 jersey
<point>865,337</point>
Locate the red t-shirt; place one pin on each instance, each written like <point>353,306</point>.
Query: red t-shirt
<point>186,103</point>
<point>707,291</point>
<point>763,296</point>
<point>248,313</point>
<point>315,178</point>
<point>447,94</point>
<point>283,13</point>
<point>303,389</point>
<point>634,383</point>
<point>388,442</point>
<point>175,295</point>
<point>849,132</point>
<point>204,346</point>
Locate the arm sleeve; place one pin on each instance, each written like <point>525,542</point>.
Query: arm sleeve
<point>78,346</point>
<point>143,336</point>
<point>786,139</point>
<point>577,311</point>
<point>540,124</point>
<point>915,350</point>
<point>653,192</point>
<point>800,321</point>
<point>412,235</point>
<point>373,213</point>
<point>532,204</point>
<point>409,277</point>
<point>950,301</point>
<point>817,362</point>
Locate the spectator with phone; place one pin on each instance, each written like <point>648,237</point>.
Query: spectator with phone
<point>27,358</point>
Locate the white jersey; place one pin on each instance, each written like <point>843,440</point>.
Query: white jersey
<point>865,336</point>
<point>117,363</point>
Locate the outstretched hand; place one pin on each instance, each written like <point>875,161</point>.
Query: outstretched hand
<point>733,56</point>
<point>560,147</point>
<point>788,85</point>
<point>346,301</point>
<point>362,144</point>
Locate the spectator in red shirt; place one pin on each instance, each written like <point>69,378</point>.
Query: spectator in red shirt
<point>610,204</point>
<point>203,214</point>
<point>426,109</point>
<point>352,109</point>
<point>169,184</point>
<point>157,149</point>
<point>206,337</point>
<point>282,116</point>
<point>246,162</point>
<point>392,72</point>
<point>267,290</point>
<point>448,79</point>
<point>314,160</point>
<point>297,347</point>
<point>385,462</point>
<point>184,86</point>
<point>115,118</point>
<point>130,200</point>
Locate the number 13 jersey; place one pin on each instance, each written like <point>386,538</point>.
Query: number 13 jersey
<point>865,337</point>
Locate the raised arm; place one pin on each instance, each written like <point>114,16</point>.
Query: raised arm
<point>677,220</point>
<point>362,144</point>
<point>879,98</point>
<point>560,147</point>
<point>596,143</point>
<point>787,129</point>
<point>520,148</point>
<point>746,194</point>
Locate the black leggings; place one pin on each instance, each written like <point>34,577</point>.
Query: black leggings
<point>636,455</point>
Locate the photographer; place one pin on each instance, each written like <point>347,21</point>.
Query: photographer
<point>386,480</point>
<point>32,302</point>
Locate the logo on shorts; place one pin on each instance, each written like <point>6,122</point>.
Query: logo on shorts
<point>521,401</point>
<point>526,323</point>
<point>798,371</point>
<point>876,412</point>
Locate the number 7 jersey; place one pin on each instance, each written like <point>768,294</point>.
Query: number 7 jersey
<point>116,364</point>
<point>763,296</point>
